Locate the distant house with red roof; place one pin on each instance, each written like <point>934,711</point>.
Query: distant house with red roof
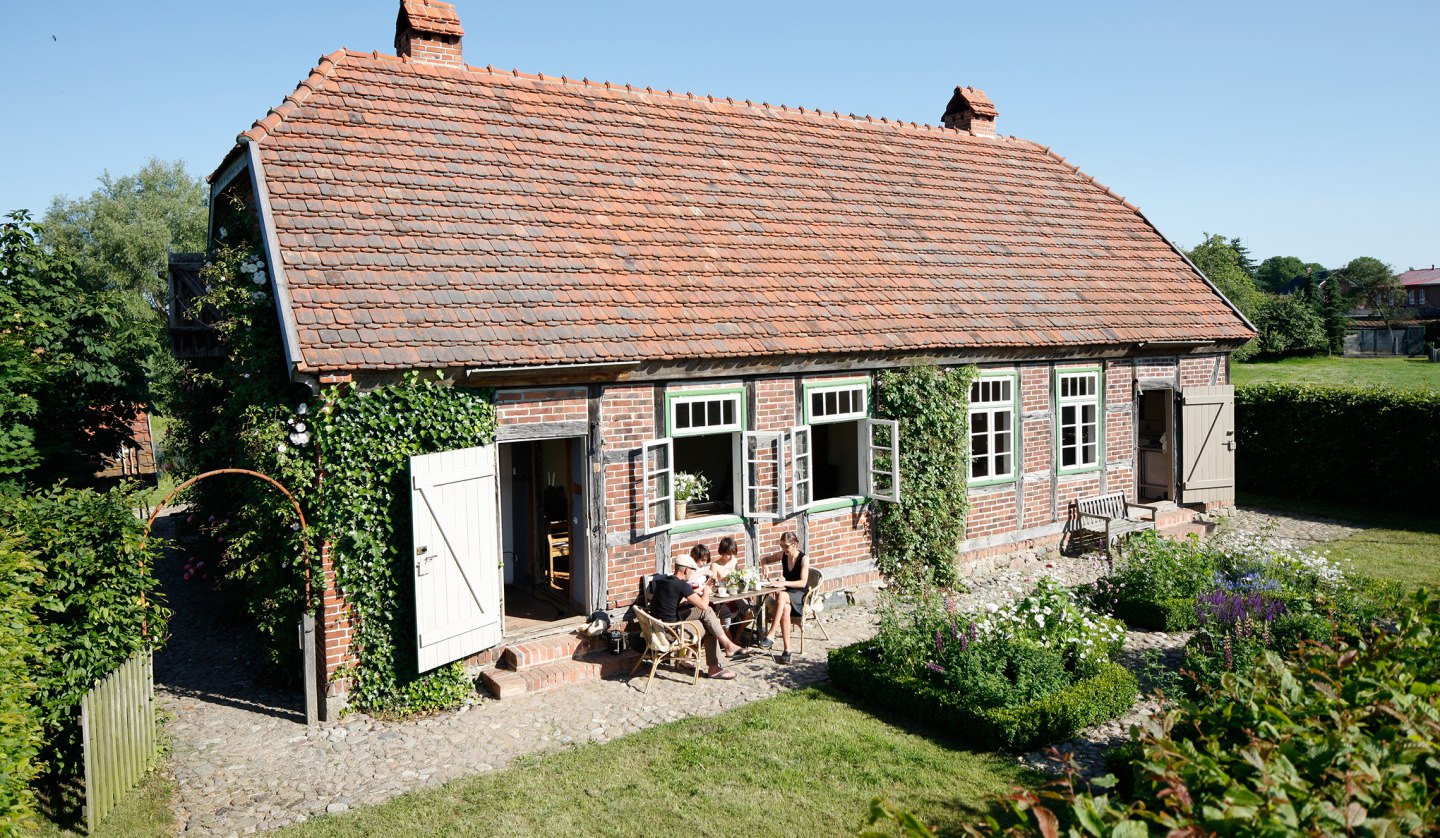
<point>660,282</point>
<point>1421,287</point>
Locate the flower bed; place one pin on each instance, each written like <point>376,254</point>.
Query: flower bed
<point>1033,671</point>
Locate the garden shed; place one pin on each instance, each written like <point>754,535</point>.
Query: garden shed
<point>657,282</point>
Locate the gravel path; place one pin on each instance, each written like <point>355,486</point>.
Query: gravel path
<point>245,762</point>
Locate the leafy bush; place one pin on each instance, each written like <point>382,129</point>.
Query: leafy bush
<point>1310,442</point>
<point>1034,670</point>
<point>1289,325</point>
<point>1340,739</point>
<point>1155,586</point>
<point>19,651</point>
<point>97,601</point>
<point>1111,691</point>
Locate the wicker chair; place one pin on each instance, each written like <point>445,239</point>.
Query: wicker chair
<point>808,610</point>
<point>673,642</point>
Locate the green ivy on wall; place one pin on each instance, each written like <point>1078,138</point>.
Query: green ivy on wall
<point>365,440</point>
<point>920,535</point>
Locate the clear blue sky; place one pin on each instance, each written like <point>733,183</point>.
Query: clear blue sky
<point>1306,128</point>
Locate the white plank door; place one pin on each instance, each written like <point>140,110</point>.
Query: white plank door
<point>456,529</point>
<point>1207,444</point>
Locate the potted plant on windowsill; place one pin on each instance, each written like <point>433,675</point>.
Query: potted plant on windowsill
<point>689,487</point>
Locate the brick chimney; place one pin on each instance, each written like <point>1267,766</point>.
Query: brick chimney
<point>428,32</point>
<point>971,110</point>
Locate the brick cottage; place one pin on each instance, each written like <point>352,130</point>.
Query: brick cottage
<point>658,283</point>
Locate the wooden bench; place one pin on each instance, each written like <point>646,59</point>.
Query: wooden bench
<point>1110,516</point>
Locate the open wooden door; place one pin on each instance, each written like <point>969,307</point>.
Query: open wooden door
<point>456,528</point>
<point>1207,444</point>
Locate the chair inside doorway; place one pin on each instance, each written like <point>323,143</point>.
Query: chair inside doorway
<point>541,502</point>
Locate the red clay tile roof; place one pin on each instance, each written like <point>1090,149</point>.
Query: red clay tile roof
<point>448,217</point>
<point>1420,276</point>
<point>978,101</point>
<point>432,16</point>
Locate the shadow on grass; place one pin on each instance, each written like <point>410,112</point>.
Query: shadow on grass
<point>1365,517</point>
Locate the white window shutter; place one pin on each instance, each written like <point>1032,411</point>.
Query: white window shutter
<point>456,537</point>
<point>657,463</point>
<point>802,476</point>
<point>763,473</point>
<point>882,459</point>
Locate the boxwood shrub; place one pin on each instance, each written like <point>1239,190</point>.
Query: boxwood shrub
<point>1173,614</point>
<point>859,670</point>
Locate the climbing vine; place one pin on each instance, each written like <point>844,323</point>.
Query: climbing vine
<point>919,536</point>
<point>365,440</point>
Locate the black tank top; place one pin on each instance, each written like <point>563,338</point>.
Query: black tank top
<point>792,574</point>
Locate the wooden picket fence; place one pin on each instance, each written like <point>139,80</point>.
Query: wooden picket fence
<point>117,724</point>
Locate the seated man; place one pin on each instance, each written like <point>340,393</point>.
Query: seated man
<point>675,599</point>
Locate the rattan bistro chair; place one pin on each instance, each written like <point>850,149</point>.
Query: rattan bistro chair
<point>673,642</point>
<point>810,607</point>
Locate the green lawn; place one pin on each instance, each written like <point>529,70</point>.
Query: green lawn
<point>1400,373</point>
<point>1399,545</point>
<point>802,763</point>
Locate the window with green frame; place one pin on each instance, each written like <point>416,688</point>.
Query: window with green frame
<point>992,428</point>
<point>705,426</point>
<point>1077,420</point>
<point>835,412</point>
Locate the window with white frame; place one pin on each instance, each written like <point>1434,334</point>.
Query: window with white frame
<point>992,429</point>
<point>705,427</point>
<point>1077,408</point>
<point>835,413</point>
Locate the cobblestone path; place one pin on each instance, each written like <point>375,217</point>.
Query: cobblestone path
<point>245,762</point>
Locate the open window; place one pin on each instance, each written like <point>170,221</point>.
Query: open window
<point>704,446</point>
<point>656,459</point>
<point>882,459</point>
<point>834,447</point>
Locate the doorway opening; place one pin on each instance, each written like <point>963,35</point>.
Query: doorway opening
<point>543,532</point>
<point>1155,444</point>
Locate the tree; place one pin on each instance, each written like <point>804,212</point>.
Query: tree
<point>70,378</point>
<point>121,235</point>
<point>1290,326</point>
<point>1278,271</point>
<point>1242,257</point>
<point>1333,315</point>
<point>1372,283</point>
<point>1223,265</point>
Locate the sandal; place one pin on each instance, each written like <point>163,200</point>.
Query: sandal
<point>740,654</point>
<point>722,675</point>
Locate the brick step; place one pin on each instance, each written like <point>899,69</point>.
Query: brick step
<point>539,651</point>
<point>1165,518</point>
<point>506,683</point>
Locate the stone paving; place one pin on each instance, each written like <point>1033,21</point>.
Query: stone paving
<point>244,761</point>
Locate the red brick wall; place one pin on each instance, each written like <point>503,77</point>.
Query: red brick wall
<point>993,511</point>
<point>335,629</point>
<point>834,538</point>
<point>1155,368</point>
<point>774,405</point>
<point>565,404</point>
<point>1202,371</point>
<point>1036,442</point>
<point>627,418</point>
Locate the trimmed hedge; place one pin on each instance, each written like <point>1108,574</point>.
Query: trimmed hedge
<point>1338,443</point>
<point>1168,615</point>
<point>19,723</point>
<point>1054,718</point>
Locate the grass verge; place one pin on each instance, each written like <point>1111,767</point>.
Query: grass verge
<point>144,813</point>
<point>802,763</point>
<point>1398,545</point>
<point>1399,373</point>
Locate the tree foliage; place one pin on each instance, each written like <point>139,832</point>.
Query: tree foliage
<point>1279,271</point>
<point>1371,283</point>
<point>121,236</point>
<point>1226,267</point>
<point>1290,325</point>
<point>70,377</point>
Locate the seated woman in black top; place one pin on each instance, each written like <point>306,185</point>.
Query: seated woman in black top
<point>795,575</point>
<point>675,599</point>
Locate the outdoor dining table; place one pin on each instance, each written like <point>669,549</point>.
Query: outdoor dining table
<point>756,594</point>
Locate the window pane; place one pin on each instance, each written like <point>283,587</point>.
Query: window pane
<point>980,467</point>
<point>682,416</point>
<point>817,404</point>
<point>1002,464</point>
<point>979,445</point>
<point>1090,454</point>
<point>1002,443</point>
<point>1002,421</point>
<point>980,423</point>
<point>1067,456</point>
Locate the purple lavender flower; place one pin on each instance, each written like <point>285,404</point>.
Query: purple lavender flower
<point>939,643</point>
<point>934,667</point>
